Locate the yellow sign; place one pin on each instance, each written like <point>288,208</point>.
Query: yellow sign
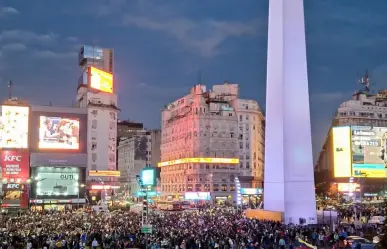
<point>100,80</point>
<point>342,161</point>
<point>107,173</point>
<point>200,160</point>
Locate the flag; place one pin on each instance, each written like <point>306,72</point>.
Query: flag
<point>305,245</point>
<point>10,84</point>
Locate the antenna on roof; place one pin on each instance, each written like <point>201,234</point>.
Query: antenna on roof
<point>10,89</point>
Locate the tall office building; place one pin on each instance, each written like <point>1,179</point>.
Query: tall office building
<point>96,93</point>
<point>134,154</point>
<point>201,139</point>
<point>289,179</point>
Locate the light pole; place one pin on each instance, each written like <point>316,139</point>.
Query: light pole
<point>79,190</point>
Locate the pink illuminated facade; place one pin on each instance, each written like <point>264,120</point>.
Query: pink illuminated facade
<point>289,179</point>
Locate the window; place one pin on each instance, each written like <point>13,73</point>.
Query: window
<point>94,124</point>
<point>224,187</point>
<point>232,187</point>
<point>216,187</point>
<point>240,117</point>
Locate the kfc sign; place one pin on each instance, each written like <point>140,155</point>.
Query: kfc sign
<point>13,186</point>
<point>8,158</point>
<point>15,164</point>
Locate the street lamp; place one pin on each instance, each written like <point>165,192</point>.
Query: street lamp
<point>79,190</point>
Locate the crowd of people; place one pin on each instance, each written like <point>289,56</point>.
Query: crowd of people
<point>217,228</point>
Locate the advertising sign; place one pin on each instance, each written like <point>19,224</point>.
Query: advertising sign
<point>52,181</point>
<point>348,187</point>
<point>15,164</point>
<point>14,127</point>
<point>148,177</point>
<point>342,151</point>
<point>251,191</point>
<point>369,155</point>
<point>58,159</point>
<point>58,133</point>
<point>100,80</point>
<point>197,196</point>
<point>13,186</point>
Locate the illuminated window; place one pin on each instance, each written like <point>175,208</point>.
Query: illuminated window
<point>232,187</point>
<point>224,187</point>
<point>189,187</point>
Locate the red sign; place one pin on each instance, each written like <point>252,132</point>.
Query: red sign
<point>15,165</point>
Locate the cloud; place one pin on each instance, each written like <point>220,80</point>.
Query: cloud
<point>14,47</point>
<point>27,36</point>
<point>5,11</point>
<point>72,39</point>
<point>204,37</point>
<point>48,54</point>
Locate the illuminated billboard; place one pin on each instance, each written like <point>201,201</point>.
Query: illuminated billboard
<point>205,196</point>
<point>348,187</point>
<point>100,80</point>
<point>55,181</point>
<point>200,160</point>
<point>15,165</point>
<point>105,173</point>
<point>369,155</point>
<point>14,127</point>
<point>148,177</point>
<point>58,133</point>
<point>342,151</point>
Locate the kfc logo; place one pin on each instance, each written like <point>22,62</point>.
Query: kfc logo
<point>8,158</point>
<point>13,186</point>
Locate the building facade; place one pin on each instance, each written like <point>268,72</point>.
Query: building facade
<point>134,154</point>
<point>96,93</point>
<point>200,143</point>
<point>364,109</point>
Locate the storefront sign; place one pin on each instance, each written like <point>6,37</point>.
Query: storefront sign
<point>251,191</point>
<point>13,186</point>
<point>15,164</point>
<point>197,196</point>
<point>58,159</point>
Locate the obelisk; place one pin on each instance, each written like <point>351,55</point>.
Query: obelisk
<point>289,178</point>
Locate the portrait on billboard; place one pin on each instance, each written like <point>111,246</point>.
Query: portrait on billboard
<point>57,181</point>
<point>58,133</point>
<point>369,145</point>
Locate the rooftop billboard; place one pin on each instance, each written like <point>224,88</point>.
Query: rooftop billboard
<point>14,127</point>
<point>100,80</point>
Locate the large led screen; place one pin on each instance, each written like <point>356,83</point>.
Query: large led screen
<point>51,181</point>
<point>369,155</point>
<point>14,127</point>
<point>58,133</point>
<point>342,151</point>
<point>100,80</point>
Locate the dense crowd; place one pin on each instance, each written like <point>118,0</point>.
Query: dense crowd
<point>218,228</point>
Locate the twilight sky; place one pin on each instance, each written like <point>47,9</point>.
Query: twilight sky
<point>162,45</point>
